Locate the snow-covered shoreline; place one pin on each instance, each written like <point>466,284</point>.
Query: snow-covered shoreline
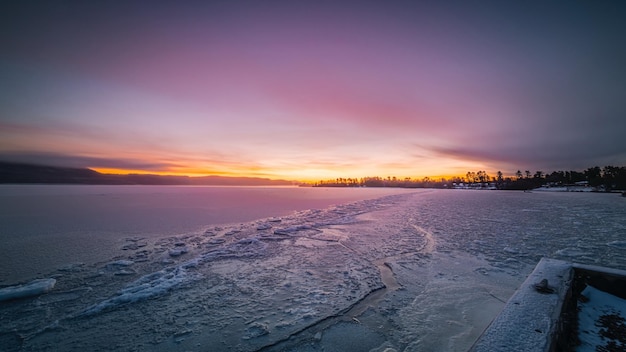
<point>565,189</point>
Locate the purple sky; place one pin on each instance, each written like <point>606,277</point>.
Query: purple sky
<point>319,90</point>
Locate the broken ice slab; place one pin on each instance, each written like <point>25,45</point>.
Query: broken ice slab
<point>33,288</point>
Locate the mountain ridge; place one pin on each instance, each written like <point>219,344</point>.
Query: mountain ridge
<point>25,173</point>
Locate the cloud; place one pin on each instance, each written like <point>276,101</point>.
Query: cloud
<point>336,88</point>
<point>77,161</point>
<point>544,157</point>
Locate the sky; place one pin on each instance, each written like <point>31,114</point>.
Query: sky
<point>314,90</point>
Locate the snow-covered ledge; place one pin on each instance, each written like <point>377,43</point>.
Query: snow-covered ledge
<point>530,319</point>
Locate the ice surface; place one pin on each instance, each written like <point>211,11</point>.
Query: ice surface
<point>94,221</point>
<point>33,288</point>
<point>593,335</point>
<point>416,271</point>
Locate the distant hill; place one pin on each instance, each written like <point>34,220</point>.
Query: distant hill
<point>27,173</point>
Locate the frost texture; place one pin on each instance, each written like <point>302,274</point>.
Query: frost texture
<point>316,279</point>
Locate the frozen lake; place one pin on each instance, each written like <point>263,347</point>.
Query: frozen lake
<point>44,226</point>
<point>408,270</point>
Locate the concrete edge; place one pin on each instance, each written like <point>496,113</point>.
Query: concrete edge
<point>530,320</point>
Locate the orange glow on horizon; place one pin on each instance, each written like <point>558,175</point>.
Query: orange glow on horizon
<point>188,173</point>
<point>311,177</point>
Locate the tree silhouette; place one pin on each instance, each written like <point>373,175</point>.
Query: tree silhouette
<point>607,179</point>
<point>593,175</point>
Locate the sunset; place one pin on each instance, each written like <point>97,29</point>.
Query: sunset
<point>290,176</point>
<point>313,90</point>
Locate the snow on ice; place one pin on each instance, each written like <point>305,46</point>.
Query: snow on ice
<point>602,321</point>
<point>420,270</point>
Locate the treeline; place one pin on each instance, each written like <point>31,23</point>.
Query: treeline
<point>390,181</point>
<point>607,179</point>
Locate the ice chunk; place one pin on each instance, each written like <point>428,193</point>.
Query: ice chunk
<point>124,272</point>
<point>33,288</point>
<point>148,286</point>
<point>177,252</point>
<point>617,244</point>
<point>293,230</point>
<point>265,226</point>
<point>571,252</point>
<point>256,330</point>
<point>511,250</point>
<point>119,263</point>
